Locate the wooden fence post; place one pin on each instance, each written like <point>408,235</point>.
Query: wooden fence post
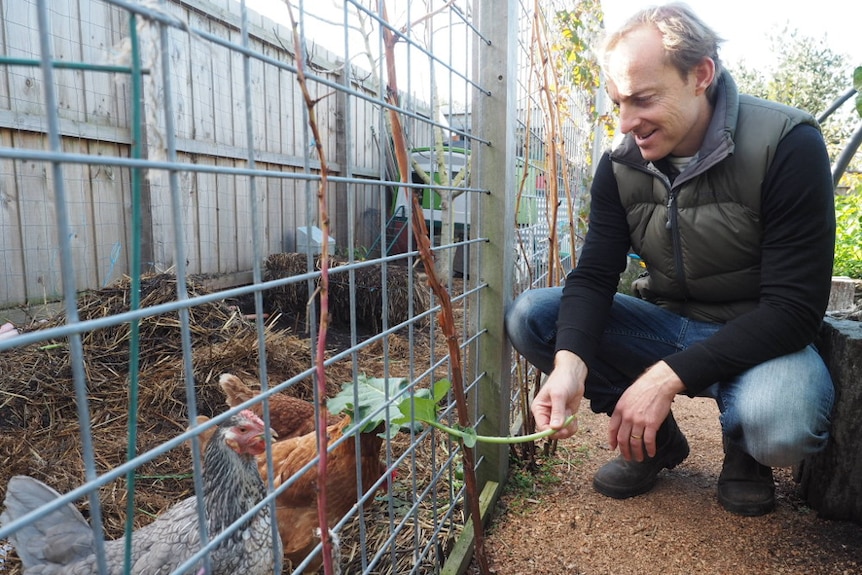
<point>494,114</point>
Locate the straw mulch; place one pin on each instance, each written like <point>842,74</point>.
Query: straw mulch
<point>367,286</point>
<point>39,430</point>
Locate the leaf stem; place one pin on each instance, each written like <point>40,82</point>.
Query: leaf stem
<point>494,439</point>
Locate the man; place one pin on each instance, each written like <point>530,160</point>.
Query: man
<point>728,200</point>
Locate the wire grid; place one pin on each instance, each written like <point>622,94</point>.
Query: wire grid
<point>548,241</point>
<point>537,265</point>
<point>228,174</point>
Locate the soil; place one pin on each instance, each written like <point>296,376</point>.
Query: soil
<point>552,521</point>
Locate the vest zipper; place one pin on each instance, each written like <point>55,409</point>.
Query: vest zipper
<point>673,225</point>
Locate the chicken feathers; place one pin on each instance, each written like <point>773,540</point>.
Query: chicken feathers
<point>296,506</point>
<point>62,542</point>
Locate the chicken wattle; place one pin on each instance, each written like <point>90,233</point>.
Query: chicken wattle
<point>62,542</point>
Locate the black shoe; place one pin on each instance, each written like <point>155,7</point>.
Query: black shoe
<point>745,487</point>
<point>622,479</point>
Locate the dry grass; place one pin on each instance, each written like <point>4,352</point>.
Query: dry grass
<point>368,287</point>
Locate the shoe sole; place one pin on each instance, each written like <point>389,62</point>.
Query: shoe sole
<point>747,509</point>
<point>620,493</point>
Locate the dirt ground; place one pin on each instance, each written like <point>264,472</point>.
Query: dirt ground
<point>553,522</point>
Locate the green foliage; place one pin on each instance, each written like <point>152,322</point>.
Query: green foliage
<point>360,253</point>
<point>529,482</point>
<point>369,398</point>
<point>422,406</point>
<point>580,29</point>
<point>857,83</point>
<point>848,213</point>
<point>807,75</point>
<point>848,239</point>
<point>526,483</point>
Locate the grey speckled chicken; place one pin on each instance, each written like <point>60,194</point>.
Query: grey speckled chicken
<point>63,542</point>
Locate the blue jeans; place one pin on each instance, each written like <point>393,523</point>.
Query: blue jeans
<point>778,411</point>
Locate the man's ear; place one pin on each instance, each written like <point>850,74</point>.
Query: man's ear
<point>704,74</point>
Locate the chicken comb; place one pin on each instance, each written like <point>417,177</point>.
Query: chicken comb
<point>250,415</point>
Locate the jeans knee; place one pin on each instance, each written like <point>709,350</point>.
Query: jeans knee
<point>522,319</point>
<point>781,410</point>
<point>530,324</point>
<point>514,320</point>
<point>786,451</point>
<point>783,441</point>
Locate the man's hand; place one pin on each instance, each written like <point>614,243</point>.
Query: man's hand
<point>641,410</point>
<point>560,396</point>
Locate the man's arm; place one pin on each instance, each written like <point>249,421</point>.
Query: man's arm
<point>590,287</point>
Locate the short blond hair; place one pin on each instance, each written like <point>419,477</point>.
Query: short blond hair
<point>685,37</point>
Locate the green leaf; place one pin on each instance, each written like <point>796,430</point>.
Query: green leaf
<point>372,395</point>
<point>440,389</point>
<point>419,408</point>
<point>423,404</point>
<point>857,83</point>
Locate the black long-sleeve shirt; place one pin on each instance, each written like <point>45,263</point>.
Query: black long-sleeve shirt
<point>798,223</point>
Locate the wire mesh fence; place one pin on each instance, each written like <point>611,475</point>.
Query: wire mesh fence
<point>213,207</point>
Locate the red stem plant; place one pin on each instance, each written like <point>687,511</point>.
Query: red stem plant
<point>323,216</point>
<point>445,317</point>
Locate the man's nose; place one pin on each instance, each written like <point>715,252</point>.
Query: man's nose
<point>628,119</point>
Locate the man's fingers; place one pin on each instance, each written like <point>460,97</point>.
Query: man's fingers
<point>649,441</point>
<point>636,441</point>
<point>558,416</point>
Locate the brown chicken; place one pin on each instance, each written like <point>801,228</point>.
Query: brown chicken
<point>296,507</point>
<point>288,416</point>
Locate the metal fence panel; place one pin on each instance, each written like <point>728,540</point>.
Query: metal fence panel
<point>162,187</point>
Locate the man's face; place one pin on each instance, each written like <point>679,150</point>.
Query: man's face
<point>666,113</point>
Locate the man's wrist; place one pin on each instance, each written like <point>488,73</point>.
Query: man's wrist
<point>667,378</point>
<point>567,359</point>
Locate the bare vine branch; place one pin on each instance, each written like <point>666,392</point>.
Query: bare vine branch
<point>323,215</point>
<point>446,317</point>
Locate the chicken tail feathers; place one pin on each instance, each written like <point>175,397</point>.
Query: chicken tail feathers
<point>61,537</point>
<point>234,389</point>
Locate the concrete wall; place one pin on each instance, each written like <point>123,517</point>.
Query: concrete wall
<point>831,481</point>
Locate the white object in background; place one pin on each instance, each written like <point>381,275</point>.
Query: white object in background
<point>311,237</point>
<point>7,331</point>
